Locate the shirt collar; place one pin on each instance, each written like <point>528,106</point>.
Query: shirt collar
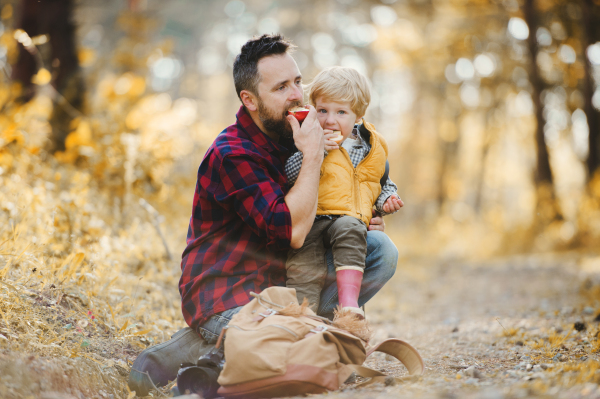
<point>255,134</point>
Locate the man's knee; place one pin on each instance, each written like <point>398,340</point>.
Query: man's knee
<point>381,247</point>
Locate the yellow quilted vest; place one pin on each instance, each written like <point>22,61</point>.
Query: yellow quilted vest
<point>345,190</point>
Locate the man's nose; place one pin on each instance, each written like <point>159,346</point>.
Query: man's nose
<point>296,94</point>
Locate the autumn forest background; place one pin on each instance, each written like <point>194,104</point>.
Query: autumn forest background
<point>491,109</point>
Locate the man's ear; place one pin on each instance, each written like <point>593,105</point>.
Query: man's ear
<point>249,100</point>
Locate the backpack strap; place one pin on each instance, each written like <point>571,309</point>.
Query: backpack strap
<point>386,174</point>
<point>398,349</point>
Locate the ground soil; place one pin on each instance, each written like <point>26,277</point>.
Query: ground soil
<point>506,318</point>
<point>493,329</point>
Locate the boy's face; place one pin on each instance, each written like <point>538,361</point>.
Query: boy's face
<point>334,115</point>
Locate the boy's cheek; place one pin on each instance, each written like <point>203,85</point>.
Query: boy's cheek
<point>321,120</point>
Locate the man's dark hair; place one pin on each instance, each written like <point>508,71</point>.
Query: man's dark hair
<point>245,67</point>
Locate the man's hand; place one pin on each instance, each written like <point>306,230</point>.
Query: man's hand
<point>330,145</point>
<point>302,197</point>
<point>309,138</point>
<point>393,204</point>
<point>377,222</point>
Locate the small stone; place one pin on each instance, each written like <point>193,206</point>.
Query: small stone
<point>528,367</point>
<point>473,372</point>
<point>579,326</point>
<point>559,357</point>
<point>537,368</point>
<point>588,310</point>
<point>389,381</point>
<point>545,366</point>
<point>566,310</point>
<point>583,358</point>
<point>455,329</point>
<point>519,343</point>
<point>525,358</point>
<point>471,381</point>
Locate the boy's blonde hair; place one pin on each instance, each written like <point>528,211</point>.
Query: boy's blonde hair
<point>341,84</point>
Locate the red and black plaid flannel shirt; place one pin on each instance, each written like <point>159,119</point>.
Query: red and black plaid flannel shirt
<point>240,228</point>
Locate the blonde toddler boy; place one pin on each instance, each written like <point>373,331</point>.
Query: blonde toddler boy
<point>353,180</point>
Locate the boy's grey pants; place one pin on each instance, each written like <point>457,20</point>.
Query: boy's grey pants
<point>307,266</point>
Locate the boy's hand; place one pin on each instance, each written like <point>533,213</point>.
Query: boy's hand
<point>330,145</point>
<point>393,204</point>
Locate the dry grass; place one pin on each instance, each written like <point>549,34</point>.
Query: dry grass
<point>84,281</point>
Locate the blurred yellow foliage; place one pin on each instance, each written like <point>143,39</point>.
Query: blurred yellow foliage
<point>43,77</point>
<point>86,56</point>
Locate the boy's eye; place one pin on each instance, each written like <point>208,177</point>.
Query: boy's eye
<point>322,111</point>
<point>341,112</point>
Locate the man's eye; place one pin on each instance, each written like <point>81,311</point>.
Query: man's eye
<point>281,88</point>
<point>298,82</point>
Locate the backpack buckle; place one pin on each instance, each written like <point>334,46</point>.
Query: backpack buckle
<point>320,329</point>
<point>270,311</point>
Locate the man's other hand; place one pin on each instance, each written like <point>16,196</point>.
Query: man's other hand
<point>309,138</point>
<point>377,222</point>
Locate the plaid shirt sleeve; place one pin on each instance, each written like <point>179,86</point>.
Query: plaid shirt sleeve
<point>293,166</point>
<point>388,189</point>
<point>257,199</point>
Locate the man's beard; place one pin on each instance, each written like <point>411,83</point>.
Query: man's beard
<point>274,123</point>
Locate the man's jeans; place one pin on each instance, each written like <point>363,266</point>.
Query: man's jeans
<point>160,363</point>
<point>211,330</point>
<point>380,265</point>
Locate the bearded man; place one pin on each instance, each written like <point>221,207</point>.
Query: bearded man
<point>245,218</point>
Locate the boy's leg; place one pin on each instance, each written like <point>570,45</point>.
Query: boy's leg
<point>159,364</point>
<point>381,261</point>
<point>306,267</point>
<point>348,239</point>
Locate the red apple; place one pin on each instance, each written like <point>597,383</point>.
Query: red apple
<point>299,113</point>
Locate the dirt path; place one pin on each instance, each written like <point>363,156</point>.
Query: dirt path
<point>496,329</point>
<point>511,319</point>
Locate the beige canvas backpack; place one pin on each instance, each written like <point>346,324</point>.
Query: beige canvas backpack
<point>274,348</point>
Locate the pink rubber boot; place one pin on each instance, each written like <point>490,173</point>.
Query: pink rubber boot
<point>348,285</point>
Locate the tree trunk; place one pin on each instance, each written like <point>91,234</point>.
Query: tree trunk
<point>53,18</point>
<point>543,173</point>
<point>593,119</point>
<point>547,206</point>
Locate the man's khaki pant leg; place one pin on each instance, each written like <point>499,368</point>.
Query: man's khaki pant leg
<point>307,266</point>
